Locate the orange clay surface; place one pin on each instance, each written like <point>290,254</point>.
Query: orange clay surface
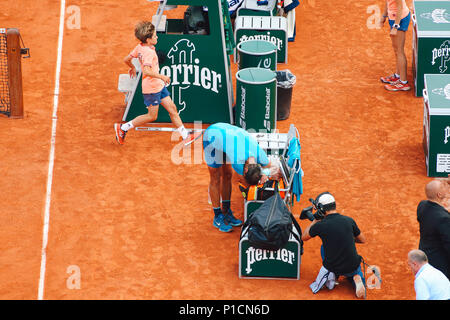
<point>139,226</point>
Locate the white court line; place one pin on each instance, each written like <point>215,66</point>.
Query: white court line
<point>52,154</point>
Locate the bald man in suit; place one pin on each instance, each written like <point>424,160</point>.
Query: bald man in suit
<point>434,224</point>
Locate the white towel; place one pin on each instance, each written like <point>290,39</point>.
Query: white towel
<point>289,11</point>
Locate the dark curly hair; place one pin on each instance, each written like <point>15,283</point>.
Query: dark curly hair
<point>253,174</point>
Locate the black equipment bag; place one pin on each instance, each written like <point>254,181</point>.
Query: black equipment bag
<point>270,226</point>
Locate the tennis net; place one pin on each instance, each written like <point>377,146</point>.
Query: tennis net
<point>5,102</point>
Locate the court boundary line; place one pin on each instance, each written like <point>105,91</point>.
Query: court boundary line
<point>48,196</point>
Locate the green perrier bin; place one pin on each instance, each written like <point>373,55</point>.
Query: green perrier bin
<point>256,99</point>
<point>257,54</point>
<point>431,40</point>
<point>283,263</point>
<point>436,124</point>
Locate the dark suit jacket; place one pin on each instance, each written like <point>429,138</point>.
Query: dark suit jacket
<point>434,222</point>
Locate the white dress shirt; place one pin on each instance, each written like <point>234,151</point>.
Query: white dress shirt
<point>431,284</point>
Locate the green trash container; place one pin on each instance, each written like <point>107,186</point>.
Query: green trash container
<point>285,83</point>
<point>257,54</point>
<point>436,124</point>
<point>256,96</point>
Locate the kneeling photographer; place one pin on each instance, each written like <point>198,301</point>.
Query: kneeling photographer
<point>339,234</point>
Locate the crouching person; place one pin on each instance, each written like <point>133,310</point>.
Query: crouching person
<point>228,148</point>
<point>339,234</point>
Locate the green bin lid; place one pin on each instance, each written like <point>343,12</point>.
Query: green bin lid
<point>256,75</point>
<point>437,92</point>
<point>256,47</point>
<point>432,18</point>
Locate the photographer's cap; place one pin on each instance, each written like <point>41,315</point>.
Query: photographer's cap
<point>325,199</point>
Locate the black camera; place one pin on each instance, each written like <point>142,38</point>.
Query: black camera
<point>307,213</point>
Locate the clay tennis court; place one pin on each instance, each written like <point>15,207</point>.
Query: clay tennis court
<point>139,226</point>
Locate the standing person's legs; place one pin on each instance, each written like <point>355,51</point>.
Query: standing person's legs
<point>167,103</point>
<point>227,175</point>
<point>215,175</point>
<point>171,108</point>
<point>214,186</point>
<point>214,160</point>
<point>401,84</point>
<point>152,115</point>
<point>398,44</point>
<point>395,48</point>
<point>152,101</point>
<point>400,55</point>
<point>394,77</point>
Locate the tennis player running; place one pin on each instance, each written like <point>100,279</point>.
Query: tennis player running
<point>153,86</point>
<point>399,17</point>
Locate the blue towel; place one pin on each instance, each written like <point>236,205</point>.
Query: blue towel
<point>290,5</point>
<point>293,154</point>
<point>233,5</point>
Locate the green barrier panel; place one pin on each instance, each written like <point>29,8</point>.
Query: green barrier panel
<point>257,54</point>
<point>258,263</point>
<point>256,97</point>
<point>198,65</point>
<point>431,40</point>
<point>436,125</point>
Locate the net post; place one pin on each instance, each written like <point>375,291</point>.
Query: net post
<point>15,72</point>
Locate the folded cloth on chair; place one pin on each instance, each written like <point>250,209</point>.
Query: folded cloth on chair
<point>293,153</point>
<point>289,5</point>
<point>289,8</point>
<point>324,278</point>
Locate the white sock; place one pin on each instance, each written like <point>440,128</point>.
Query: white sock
<point>396,75</point>
<point>404,82</point>
<point>184,133</point>
<point>127,126</point>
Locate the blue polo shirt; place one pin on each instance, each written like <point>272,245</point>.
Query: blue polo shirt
<point>237,145</point>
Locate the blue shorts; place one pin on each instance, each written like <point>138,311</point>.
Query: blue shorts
<point>154,99</point>
<point>404,23</point>
<point>214,158</point>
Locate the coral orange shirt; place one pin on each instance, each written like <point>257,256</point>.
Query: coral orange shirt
<point>147,57</point>
<point>392,9</point>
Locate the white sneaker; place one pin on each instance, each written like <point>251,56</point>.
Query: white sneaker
<point>192,137</point>
<point>360,288</point>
